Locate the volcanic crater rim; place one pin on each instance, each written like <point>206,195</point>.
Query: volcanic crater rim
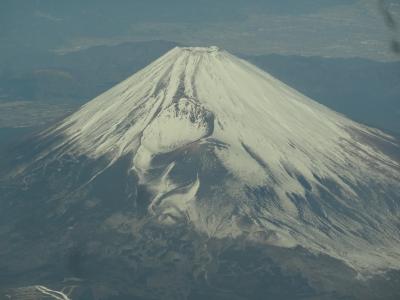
<point>211,49</point>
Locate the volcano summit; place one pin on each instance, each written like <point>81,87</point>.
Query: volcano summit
<point>204,142</point>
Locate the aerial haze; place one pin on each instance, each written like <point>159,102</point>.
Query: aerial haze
<point>242,150</point>
<point>338,28</point>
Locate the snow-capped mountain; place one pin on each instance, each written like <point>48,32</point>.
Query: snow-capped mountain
<point>228,148</point>
<point>203,139</point>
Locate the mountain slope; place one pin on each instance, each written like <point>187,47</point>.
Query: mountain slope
<point>223,146</point>
<point>201,176</point>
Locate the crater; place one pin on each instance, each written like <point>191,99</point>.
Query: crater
<point>211,49</point>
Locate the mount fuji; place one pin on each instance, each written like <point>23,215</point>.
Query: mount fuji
<point>197,151</point>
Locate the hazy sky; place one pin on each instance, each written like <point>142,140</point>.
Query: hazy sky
<point>340,28</point>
